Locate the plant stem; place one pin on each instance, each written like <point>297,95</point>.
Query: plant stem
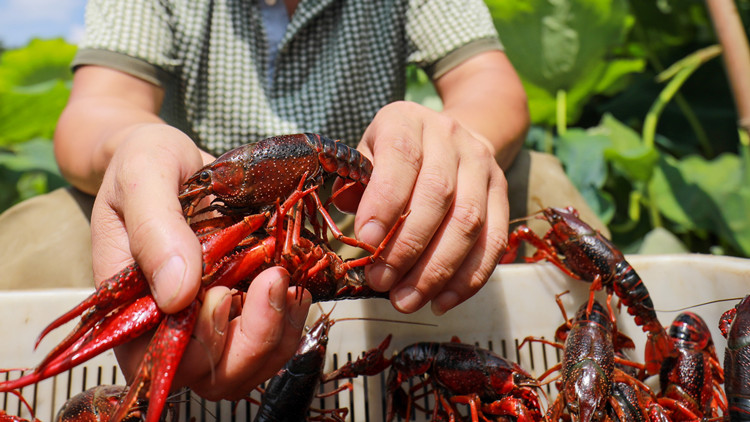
<point>561,117</point>
<point>733,39</point>
<point>678,72</point>
<point>679,99</point>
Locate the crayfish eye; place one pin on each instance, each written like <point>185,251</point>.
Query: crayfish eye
<point>205,176</point>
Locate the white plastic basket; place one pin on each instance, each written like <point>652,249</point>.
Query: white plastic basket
<point>518,301</point>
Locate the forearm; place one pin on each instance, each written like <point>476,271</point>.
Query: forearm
<point>89,132</point>
<point>491,103</point>
<point>106,109</point>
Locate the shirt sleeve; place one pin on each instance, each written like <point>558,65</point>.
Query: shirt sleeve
<point>443,33</point>
<point>135,37</point>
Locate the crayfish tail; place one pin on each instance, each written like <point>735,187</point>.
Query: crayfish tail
<point>658,347</point>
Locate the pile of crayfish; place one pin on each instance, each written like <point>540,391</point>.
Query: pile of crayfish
<point>260,217</point>
<point>595,379</point>
<point>266,212</point>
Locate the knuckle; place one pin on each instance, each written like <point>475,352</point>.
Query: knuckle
<point>449,124</point>
<point>408,247</point>
<point>441,190</point>
<point>406,148</point>
<point>470,218</point>
<point>438,273</point>
<point>497,241</point>
<point>476,281</point>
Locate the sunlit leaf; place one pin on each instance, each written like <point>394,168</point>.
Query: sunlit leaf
<point>553,43</point>
<point>705,194</point>
<point>39,62</point>
<point>24,116</point>
<point>627,150</point>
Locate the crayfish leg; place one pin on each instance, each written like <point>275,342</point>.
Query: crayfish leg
<point>119,289</point>
<point>158,367</point>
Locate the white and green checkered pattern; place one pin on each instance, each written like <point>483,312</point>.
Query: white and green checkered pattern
<point>338,64</point>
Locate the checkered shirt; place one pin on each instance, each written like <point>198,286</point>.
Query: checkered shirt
<point>339,62</point>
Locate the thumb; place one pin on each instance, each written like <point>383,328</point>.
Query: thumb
<point>147,174</point>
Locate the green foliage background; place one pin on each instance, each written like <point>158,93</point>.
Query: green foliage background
<point>653,152</point>
<point>34,87</point>
<point>650,153</point>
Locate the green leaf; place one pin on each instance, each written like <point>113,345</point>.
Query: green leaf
<point>553,43</point>
<point>582,155</point>
<point>627,152</point>
<point>616,75</point>
<point>698,194</point>
<point>25,116</point>
<point>565,45</point>
<point>26,170</point>
<point>541,104</point>
<point>36,154</point>
<point>39,62</point>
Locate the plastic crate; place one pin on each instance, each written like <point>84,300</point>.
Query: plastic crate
<point>518,301</point>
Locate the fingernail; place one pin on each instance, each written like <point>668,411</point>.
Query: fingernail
<point>277,294</point>
<point>407,299</point>
<point>297,314</point>
<point>372,233</point>
<point>444,302</point>
<point>381,276</point>
<point>168,280</point>
<point>221,314</point>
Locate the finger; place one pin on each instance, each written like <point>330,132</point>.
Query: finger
<point>294,324</point>
<point>457,234</point>
<point>394,143</point>
<point>109,239</point>
<point>160,240</point>
<point>209,337</point>
<point>483,258</point>
<point>262,335</point>
<point>433,193</point>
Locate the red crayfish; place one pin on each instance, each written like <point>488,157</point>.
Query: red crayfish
<point>735,326</point>
<point>691,374</point>
<point>587,373</point>
<point>94,404</point>
<point>584,254</point>
<point>265,193</point>
<point>97,403</point>
<point>456,373</point>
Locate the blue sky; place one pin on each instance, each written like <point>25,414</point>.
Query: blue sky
<point>22,20</point>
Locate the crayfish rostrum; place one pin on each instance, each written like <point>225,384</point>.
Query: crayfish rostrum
<point>265,193</point>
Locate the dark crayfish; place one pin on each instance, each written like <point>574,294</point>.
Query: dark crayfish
<point>584,254</point>
<point>456,373</point>
<point>691,374</point>
<point>266,193</point>
<point>587,372</point>
<point>633,404</point>
<point>735,325</point>
<point>289,395</point>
